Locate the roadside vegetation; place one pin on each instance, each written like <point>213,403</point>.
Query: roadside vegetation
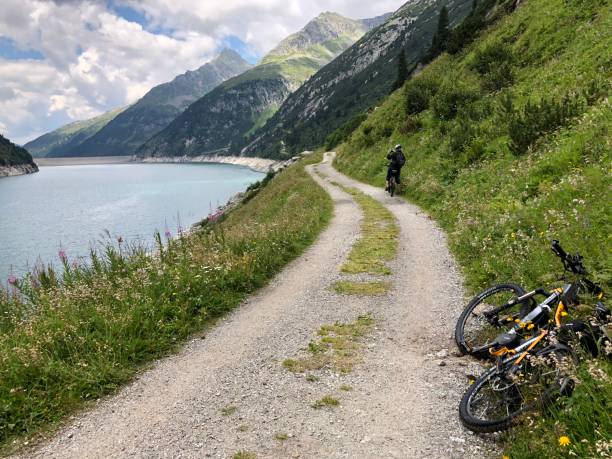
<point>376,246</point>
<point>508,146</point>
<point>72,335</point>
<point>337,347</point>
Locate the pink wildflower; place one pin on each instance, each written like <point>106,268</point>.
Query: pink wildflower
<point>12,280</point>
<point>168,234</point>
<point>216,216</point>
<point>62,255</point>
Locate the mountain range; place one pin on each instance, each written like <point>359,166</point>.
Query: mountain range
<point>223,119</point>
<point>69,137</point>
<point>122,131</point>
<point>314,82</point>
<point>354,82</point>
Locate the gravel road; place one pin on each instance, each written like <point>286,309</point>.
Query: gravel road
<point>229,392</point>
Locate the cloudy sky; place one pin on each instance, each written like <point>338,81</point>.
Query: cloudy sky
<point>67,60</point>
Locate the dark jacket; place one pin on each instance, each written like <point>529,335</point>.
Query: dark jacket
<point>393,157</point>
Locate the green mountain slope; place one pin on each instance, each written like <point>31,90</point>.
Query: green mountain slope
<point>508,146</point>
<point>226,116</point>
<point>126,132</point>
<point>70,136</point>
<point>353,82</point>
<point>13,156</point>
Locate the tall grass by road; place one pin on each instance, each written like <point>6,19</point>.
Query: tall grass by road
<point>71,336</point>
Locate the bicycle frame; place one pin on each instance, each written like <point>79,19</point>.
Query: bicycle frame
<point>556,296</point>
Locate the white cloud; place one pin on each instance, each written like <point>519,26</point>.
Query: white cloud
<point>96,60</point>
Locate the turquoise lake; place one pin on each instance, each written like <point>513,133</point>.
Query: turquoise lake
<point>71,207</point>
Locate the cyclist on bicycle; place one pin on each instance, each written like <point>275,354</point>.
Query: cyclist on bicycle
<point>397,158</point>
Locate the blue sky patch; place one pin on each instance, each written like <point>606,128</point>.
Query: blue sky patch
<point>10,50</point>
<point>129,14</point>
<point>132,15</point>
<point>248,54</point>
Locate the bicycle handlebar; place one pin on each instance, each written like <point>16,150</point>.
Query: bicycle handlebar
<point>571,263</point>
<point>558,250</point>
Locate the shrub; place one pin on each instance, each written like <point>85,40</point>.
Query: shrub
<point>344,131</point>
<point>462,134</point>
<point>495,64</point>
<point>418,93</point>
<point>535,119</point>
<point>466,32</point>
<point>412,124</point>
<point>452,96</point>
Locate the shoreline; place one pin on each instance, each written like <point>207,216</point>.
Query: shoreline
<point>83,161</point>
<point>18,169</point>
<point>256,164</point>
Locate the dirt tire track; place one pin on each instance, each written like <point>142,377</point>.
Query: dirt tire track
<point>403,403</point>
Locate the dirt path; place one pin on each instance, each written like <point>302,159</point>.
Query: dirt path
<point>229,392</point>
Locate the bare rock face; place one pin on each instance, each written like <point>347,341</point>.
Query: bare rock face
<point>22,169</point>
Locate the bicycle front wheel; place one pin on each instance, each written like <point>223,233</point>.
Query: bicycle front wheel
<point>485,316</point>
<point>497,400</point>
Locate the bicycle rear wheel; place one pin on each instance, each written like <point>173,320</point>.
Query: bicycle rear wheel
<point>485,317</point>
<point>392,186</point>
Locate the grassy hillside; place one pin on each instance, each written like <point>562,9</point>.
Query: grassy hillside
<point>78,334</point>
<point>508,145</point>
<point>70,136</point>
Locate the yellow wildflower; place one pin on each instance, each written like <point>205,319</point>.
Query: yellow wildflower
<point>564,441</point>
<point>505,457</point>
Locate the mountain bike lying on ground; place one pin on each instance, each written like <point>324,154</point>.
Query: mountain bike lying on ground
<point>535,357</point>
<point>503,305</point>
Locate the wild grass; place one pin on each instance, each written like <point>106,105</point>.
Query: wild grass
<point>281,436</point>
<point>508,146</point>
<point>70,336</point>
<point>327,400</point>
<point>585,418</point>
<point>362,288</point>
<point>244,455</point>
<point>229,410</point>
<point>337,348</point>
<point>378,241</point>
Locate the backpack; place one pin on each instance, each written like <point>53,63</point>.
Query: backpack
<point>401,159</point>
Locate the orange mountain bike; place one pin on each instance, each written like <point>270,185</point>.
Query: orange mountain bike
<point>534,358</point>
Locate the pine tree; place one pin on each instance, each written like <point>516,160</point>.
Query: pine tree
<point>402,71</point>
<point>443,32</point>
<point>440,40</point>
